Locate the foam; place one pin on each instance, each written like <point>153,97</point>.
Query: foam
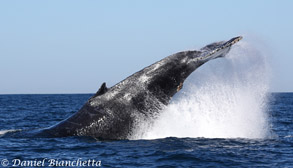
<point>225,98</point>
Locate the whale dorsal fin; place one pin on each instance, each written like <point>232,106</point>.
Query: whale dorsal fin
<point>103,89</point>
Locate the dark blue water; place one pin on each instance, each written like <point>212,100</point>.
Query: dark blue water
<point>39,111</point>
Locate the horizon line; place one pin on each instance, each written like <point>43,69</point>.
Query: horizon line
<point>93,93</point>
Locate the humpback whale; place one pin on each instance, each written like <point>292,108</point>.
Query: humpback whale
<point>112,112</point>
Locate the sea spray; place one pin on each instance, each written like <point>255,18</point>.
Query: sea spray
<point>225,98</point>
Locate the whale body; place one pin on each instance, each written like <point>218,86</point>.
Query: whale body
<point>113,113</point>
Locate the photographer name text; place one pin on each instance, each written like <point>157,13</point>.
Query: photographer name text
<point>46,162</point>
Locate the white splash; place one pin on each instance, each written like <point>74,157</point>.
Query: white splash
<point>225,98</point>
<point>3,132</point>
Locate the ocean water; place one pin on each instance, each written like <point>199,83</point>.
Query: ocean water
<point>37,111</point>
